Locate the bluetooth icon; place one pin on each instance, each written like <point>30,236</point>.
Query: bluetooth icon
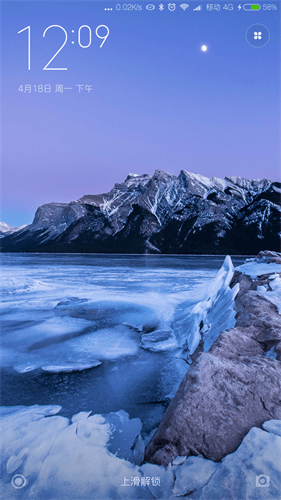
<point>161,7</point>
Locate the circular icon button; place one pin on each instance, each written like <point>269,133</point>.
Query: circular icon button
<point>18,481</point>
<point>257,35</point>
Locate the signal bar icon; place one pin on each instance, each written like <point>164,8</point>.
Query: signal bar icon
<point>184,6</point>
<point>198,8</point>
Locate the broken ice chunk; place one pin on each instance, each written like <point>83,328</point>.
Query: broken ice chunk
<point>193,474</point>
<point>71,367</point>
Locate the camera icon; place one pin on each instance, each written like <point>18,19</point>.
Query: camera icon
<point>262,481</point>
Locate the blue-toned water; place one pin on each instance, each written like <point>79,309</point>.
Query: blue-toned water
<point>87,313</point>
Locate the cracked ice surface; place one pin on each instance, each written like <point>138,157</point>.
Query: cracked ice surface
<point>83,458</point>
<point>67,460</point>
<point>78,315</point>
<point>63,315</point>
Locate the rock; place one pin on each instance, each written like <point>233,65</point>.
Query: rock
<point>269,256</point>
<point>229,389</point>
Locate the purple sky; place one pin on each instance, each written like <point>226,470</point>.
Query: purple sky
<point>158,101</point>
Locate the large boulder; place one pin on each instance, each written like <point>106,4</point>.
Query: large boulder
<point>230,389</point>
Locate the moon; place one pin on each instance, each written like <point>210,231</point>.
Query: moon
<point>204,48</point>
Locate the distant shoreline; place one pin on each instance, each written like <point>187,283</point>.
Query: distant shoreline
<point>132,254</point>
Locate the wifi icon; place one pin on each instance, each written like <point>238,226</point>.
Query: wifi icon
<point>184,6</point>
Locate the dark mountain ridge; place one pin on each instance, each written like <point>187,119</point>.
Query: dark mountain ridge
<point>188,214</point>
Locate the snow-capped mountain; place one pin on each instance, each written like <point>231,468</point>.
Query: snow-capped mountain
<point>5,229</point>
<point>160,214</point>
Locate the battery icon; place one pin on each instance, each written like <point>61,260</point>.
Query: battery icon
<point>251,6</point>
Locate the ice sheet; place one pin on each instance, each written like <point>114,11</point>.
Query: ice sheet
<point>255,269</point>
<point>273,426</point>
<point>257,458</point>
<point>84,350</point>
<point>125,440</point>
<point>61,315</point>
<point>193,475</point>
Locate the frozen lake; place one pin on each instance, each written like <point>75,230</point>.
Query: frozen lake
<point>76,330</point>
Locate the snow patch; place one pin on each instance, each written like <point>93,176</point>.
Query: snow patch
<point>273,295</point>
